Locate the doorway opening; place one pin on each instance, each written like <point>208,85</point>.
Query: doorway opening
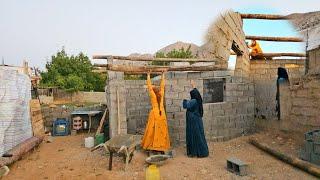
<point>282,80</point>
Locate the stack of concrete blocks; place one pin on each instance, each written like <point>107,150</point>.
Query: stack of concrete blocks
<point>264,75</point>
<point>223,120</point>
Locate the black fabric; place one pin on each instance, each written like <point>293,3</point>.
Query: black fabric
<point>282,78</point>
<point>282,73</point>
<point>197,96</point>
<point>195,138</point>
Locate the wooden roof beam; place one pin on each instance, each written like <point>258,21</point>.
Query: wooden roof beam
<point>281,54</point>
<point>127,58</point>
<point>263,16</point>
<point>280,39</point>
<point>146,69</point>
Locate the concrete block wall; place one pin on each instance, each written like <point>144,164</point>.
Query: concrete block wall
<point>137,105</point>
<point>51,114</point>
<point>314,61</point>
<point>264,76</point>
<point>303,109</point>
<point>115,93</point>
<point>222,121</point>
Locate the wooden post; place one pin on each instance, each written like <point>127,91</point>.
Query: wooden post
<point>102,121</point>
<point>110,160</point>
<point>119,120</point>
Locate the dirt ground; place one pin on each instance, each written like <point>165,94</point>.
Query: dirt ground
<point>67,158</point>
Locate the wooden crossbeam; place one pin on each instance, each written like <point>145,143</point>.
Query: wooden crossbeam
<point>281,54</point>
<point>280,39</point>
<point>145,69</point>
<point>127,58</point>
<point>263,16</point>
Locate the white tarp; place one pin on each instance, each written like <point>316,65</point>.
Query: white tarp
<point>15,94</point>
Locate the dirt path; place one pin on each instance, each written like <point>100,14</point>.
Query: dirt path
<point>66,158</point>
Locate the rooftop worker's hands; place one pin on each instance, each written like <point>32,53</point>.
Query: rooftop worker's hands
<point>148,74</point>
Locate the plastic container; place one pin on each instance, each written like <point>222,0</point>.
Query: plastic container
<point>152,173</point>
<point>89,142</point>
<point>77,123</point>
<point>99,139</point>
<point>61,127</point>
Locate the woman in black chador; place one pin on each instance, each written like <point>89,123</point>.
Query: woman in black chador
<point>196,141</point>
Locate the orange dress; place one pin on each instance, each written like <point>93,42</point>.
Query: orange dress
<point>156,136</point>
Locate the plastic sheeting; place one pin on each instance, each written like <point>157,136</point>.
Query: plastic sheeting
<point>15,94</point>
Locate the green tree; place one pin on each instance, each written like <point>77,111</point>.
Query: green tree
<point>181,53</point>
<point>72,73</point>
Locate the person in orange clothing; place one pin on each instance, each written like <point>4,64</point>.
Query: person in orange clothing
<point>156,136</point>
<point>255,50</point>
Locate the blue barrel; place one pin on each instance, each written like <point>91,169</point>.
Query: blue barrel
<point>61,127</point>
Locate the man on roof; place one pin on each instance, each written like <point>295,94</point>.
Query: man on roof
<point>255,50</point>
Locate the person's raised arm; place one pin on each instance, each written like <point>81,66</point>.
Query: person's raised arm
<point>149,82</point>
<point>162,84</point>
<point>188,104</point>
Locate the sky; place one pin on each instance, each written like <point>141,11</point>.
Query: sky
<point>34,30</point>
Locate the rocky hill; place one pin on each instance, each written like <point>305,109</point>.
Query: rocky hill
<point>305,20</point>
<point>308,24</point>
<point>178,45</point>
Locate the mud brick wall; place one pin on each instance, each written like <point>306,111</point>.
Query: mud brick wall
<point>137,105</point>
<point>223,120</point>
<point>264,75</point>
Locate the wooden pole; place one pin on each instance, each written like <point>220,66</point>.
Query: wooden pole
<point>263,16</point>
<point>102,121</point>
<point>20,150</point>
<point>303,165</point>
<point>127,58</point>
<point>280,39</point>
<point>145,69</point>
<point>280,54</point>
<point>118,111</point>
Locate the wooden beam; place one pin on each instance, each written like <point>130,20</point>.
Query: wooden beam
<point>280,39</point>
<point>280,54</point>
<point>127,58</point>
<point>145,69</point>
<point>263,16</point>
<point>20,150</point>
<point>103,71</point>
<point>296,162</point>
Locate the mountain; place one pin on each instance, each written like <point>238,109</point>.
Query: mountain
<point>308,24</point>
<point>305,20</point>
<point>178,45</point>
